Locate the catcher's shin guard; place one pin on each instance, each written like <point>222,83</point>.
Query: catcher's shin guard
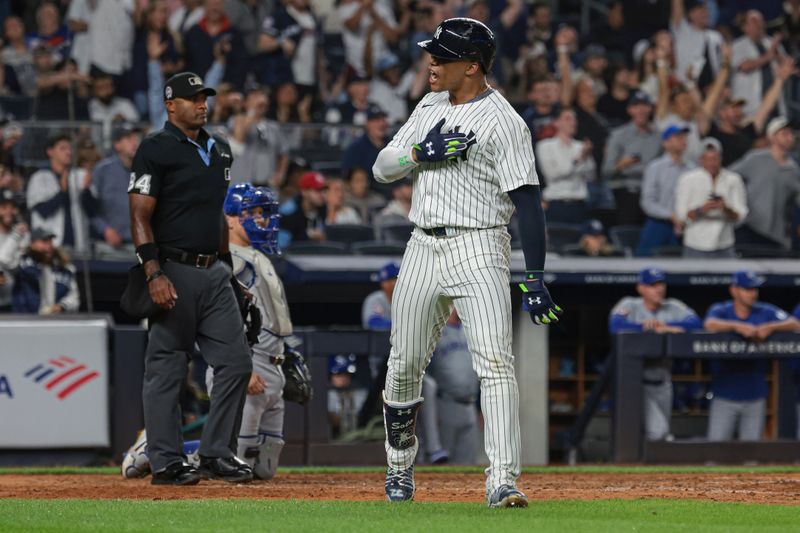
<point>269,452</point>
<point>401,422</point>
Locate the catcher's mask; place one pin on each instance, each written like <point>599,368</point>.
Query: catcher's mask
<point>258,213</point>
<point>260,219</point>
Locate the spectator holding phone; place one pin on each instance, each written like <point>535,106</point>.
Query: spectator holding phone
<point>709,202</point>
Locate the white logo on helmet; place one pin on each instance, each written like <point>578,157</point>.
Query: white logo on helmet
<point>438,32</point>
<point>168,92</point>
<point>195,80</point>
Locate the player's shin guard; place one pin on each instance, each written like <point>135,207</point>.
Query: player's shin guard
<point>269,452</point>
<point>400,420</point>
<point>247,449</point>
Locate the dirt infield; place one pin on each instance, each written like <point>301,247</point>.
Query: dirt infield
<point>434,487</point>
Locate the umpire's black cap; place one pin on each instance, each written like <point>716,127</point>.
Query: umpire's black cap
<point>186,85</point>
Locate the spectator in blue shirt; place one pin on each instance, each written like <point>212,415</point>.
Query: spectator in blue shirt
<point>652,311</point>
<point>363,151</point>
<point>108,202</point>
<point>740,386</point>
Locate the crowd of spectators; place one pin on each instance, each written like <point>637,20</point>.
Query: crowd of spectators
<point>674,119</point>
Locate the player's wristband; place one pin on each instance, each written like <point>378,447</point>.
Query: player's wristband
<point>158,273</point>
<point>534,274</point>
<point>147,252</point>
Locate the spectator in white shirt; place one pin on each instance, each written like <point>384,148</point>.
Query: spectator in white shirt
<point>389,89</point>
<point>108,108</point>
<point>697,48</point>
<point>755,62</point>
<point>104,33</point>
<point>336,211</point>
<point>567,165</point>
<point>709,202</point>
<point>359,17</point>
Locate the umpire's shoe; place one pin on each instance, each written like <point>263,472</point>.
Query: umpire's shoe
<point>400,484</point>
<point>230,469</point>
<point>176,474</point>
<point>507,496</point>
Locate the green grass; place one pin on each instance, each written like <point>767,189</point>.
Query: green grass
<point>584,469</point>
<point>323,517</point>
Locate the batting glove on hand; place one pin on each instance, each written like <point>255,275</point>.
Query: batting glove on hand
<point>438,146</point>
<point>537,301</point>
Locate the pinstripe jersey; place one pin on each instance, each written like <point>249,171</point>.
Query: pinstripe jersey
<point>469,193</point>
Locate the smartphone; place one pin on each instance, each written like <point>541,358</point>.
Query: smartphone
<point>714,196</point>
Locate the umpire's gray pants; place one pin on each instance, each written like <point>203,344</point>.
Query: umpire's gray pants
<point>657,403</point>
<point>725,415</point>
<point>205,312</point>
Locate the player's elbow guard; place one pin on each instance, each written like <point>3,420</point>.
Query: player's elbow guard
<point>393,164</point>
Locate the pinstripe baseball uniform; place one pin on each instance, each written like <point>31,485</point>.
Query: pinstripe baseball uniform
<point>466,265</point>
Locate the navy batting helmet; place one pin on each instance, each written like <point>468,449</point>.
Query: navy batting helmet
<point>462,38</point>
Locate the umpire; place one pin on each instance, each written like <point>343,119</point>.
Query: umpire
<point>178,185</point>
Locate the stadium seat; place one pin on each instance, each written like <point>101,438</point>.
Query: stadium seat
<point>377,248</point>
<point>349,233</point>
<point>560,235</point>
<point>575,250</point>
<point>756,251</point>
<point>668,251</point>
<point>317,248</point>
<point>625,236</point>
<point>396,233</point>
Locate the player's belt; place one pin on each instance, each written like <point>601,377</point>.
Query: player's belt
<point>187,258</point>
<point>276,360</point>
<point>443,231</point>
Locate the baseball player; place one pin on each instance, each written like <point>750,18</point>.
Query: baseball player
<point>252,229</point>
<point>251,214</point>
<point>470,157</point>
<point>652,312</point>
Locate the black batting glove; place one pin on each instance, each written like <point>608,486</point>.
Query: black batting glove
<point>537,301</point>
<point>438,146</point>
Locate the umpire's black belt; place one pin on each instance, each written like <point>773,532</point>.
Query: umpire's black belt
<point>187,258</point>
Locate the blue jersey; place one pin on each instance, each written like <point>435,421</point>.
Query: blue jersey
<point>742,380</point>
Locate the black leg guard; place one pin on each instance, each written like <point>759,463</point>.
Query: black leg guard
<point>401,422</point>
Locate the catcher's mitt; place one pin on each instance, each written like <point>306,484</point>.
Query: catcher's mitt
<point>252,323</point>
<point>298,378</point>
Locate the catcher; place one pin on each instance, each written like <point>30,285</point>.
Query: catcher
<point>279,372</point>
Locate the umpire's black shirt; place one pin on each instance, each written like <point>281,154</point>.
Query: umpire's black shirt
<point>189,180</point>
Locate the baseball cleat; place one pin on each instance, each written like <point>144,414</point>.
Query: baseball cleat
<point>176,474</point>
<point>400,484</point>
<point>507,496</point>
<point>230,469</point>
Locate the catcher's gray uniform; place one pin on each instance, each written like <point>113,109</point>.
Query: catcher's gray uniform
<point>457,394</point>
<point>261,433</point>
<point>628,315</point>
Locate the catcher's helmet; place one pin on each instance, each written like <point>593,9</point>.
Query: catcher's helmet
<point>462,38</point>
<point>261,225</point>
<point>233,200</point>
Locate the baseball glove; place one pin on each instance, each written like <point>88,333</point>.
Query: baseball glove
<point>298,378</point>
<point>252,324</point>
